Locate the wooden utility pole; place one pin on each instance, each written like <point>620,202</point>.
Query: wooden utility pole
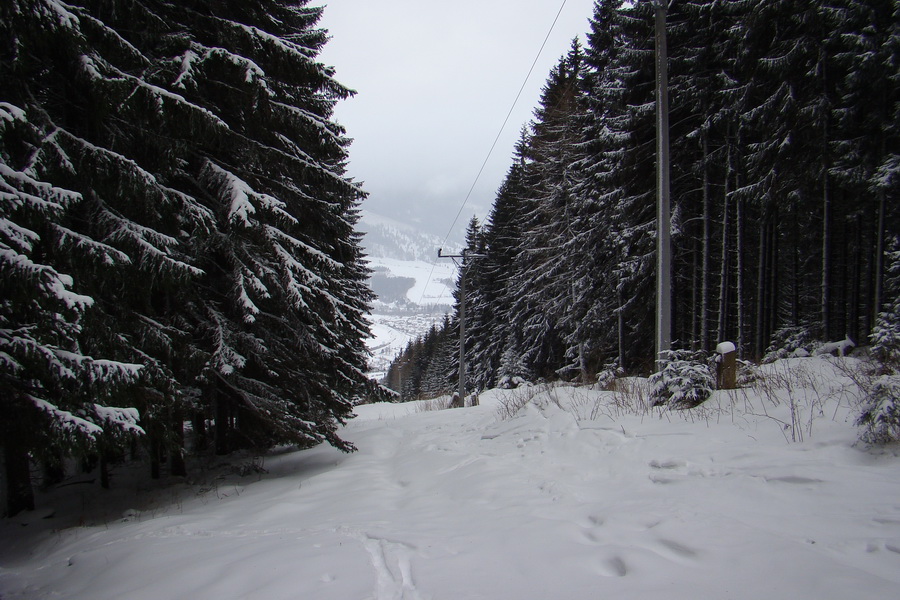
<point>663,214</point>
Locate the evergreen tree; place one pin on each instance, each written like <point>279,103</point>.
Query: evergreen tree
<point>502,242</point>
<point>619,195</point>
<point>176,188</point>
<point>880,416</point>
<point>541,290</point>
<point>59,277</point>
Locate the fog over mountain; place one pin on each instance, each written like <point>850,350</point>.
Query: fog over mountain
<point>387,237</point>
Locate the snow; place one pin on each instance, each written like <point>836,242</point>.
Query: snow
<point>841,348</point>
<point>725,348</point>
<point>536,493</point>
<point>63,16</point>
<point>52,198</point>
<point>159,94</point>
<point>187,69</point>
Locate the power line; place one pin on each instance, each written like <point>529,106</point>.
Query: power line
<point>494,145</point>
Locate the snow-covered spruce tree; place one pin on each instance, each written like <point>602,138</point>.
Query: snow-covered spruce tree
<point>482,289</point>
<point>213,207</point>
<point>84,240</point>
<point>684,381</point>
<point>442,366</point>
<point>880,417</point>
<point>616,188</point>
<point>591,322</point>
<point>540,292</point>
<point>512,372</point>
<point>281,306</point>
<point>53,395</point>
<point>502,243</point>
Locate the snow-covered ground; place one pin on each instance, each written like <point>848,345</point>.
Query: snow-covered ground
<point>434,281</point>
<point>537,493</point>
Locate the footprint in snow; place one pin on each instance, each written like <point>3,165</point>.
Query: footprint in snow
<point>613,567</point>
<point>668,464</point>
<point>794,479</point>
<point>677,549</point>
<point>392,564</point>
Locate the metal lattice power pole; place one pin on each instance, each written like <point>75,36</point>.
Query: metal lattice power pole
<point>462,317</point>
<point>663,215</point>
<point>462,320</point>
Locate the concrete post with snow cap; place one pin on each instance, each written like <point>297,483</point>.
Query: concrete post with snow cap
<point>726,366</point>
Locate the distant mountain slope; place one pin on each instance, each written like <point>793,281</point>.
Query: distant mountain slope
<point>388,238</point>
<point>406,270</point>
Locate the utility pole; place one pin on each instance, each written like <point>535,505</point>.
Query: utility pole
<point>462,318</point>
<point>663,214</point>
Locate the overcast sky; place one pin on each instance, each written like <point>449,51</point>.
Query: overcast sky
<point>435,81</point>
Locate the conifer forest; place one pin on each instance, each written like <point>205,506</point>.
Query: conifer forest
<point>177,239</point>
<point>180,267</point>
<point>784,124</point>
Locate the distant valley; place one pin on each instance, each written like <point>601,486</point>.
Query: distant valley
<point>414,287</point>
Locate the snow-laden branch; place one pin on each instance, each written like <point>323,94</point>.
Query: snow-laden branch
<point>54,284</point>
<point>240,196</point>
<point>110,255</point>
<point>152,244</point>
<point>43,196</point>
<point>277,235</point>
<point>92,67</point>
<point>125,419</point>
<point>68,423</point>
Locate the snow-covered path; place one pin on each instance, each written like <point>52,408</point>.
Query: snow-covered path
<point>464,504</point>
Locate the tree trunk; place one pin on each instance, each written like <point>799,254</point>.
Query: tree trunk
<point>19,493</point>
<point>766,279</point>
<point>856,276</point>
<point>696,261</point>
<point>879,259</point>
<point>177,466</point>
<point>223,422</point>
<point>826,259</point>
<point>155,453</point>
<point>201,435</point>
<point>774,279</point>
<point>740,313</point>
<point>620,322</point>
<point>104,471</point>
<point>796,283</point>
<point>739,258</point>
<point>761,287</point>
